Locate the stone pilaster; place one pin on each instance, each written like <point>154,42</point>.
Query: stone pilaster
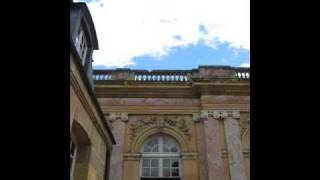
<point>201,146</point>
<point>211,165</point>
<point>233,140</point>
<point>118,121</point>
<point>213,145</point>
<point>131,166</point>
<point>189,166</point>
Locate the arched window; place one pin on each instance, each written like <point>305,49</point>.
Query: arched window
<point>160,158</point>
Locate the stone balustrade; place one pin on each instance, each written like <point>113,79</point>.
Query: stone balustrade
<point>243,73</point>
<point>162,75</point>
<point>102,75</point>
<point>208,72</point>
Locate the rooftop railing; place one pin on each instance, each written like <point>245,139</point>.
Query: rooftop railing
<point>242,73</point>
<point>102,75</point>
<point>162,76</point>
<point>172,75</point>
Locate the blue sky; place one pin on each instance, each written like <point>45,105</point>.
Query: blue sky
<point>171,34</point>
<point>191,57</point>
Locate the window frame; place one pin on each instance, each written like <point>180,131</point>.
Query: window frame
<point>81,43</point>
<point>160,156</point>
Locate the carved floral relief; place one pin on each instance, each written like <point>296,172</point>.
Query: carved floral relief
<point>180,123</point>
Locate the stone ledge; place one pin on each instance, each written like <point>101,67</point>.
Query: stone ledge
<point>189,155</point>
<point>132,156</point>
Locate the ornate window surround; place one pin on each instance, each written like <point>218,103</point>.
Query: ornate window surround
<point>160,156</point>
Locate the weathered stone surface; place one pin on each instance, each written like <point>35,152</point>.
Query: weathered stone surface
<point>209,99</point>
<point>202,154</point>
<point>232,129</point>
<point>164,107</point>
<point>213,150</point>
<point>214,72</point>
<point>116,162</point>
<point>87,130</point>
<point>149,101</point>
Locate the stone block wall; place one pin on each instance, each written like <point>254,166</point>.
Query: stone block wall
<point>91,155</point>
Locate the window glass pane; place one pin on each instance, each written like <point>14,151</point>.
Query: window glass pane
<point>154,163</point>
<point>175,171</point>
<point>174,163</point>
<point>146,172</point>
<point>169,145</point>
<point>154,172</point>
<point>151,164</point>
<point>146,163</point>
<point>151,145</point>
<point>146,149</point>
<point>166,149</point>
<point>82,53</point>
<point>174,149</point>
<point>155,148</point>
<point>166,162</point>
<point>166,172</point>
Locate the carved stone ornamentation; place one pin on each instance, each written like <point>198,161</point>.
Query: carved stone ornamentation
<point>161,122</point>
<point>118,116</point>
<point>220,114</point>
<point>196,117</point>
<point>235,114</point>
<point>204,114</point>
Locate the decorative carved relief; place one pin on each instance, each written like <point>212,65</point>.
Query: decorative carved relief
<point>220,114</point>
<point>196,117</point>
<point>114,116</point>
<point>118,116</point>
<point>177,122</point>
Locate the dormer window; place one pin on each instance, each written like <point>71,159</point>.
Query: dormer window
<point>81,44</point>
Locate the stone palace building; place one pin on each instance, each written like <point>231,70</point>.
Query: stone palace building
<point>130,124</point>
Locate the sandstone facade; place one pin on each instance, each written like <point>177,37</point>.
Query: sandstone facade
<point>207,112</point>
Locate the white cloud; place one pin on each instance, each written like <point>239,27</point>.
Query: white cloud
<point>129,28</point>
<point>245,65</point>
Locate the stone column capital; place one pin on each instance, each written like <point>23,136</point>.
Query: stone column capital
<point>204,115</point>
<point>196,117</point>
<point>234,114</point>
<point>123,116</point>
<point>219,114</point>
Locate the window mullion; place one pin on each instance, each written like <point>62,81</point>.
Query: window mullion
<point>160,156</point>
<point>80,40</point>
<point>160,167</point>
<point>160,144</point>
<point>160,159</point>
<point>170,168</point>
<point>150,167</point>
